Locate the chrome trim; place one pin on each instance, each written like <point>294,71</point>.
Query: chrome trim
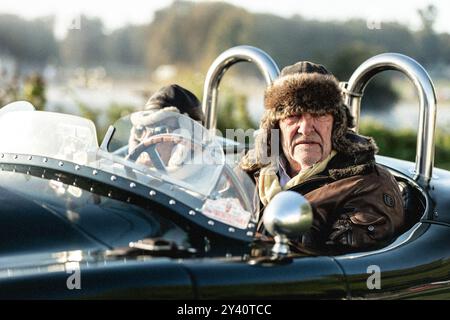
<point>223,62</point>
<point>101,184</point>
<point>107,138</point>
<point>427,98</point>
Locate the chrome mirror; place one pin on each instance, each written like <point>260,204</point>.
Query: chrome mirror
<point>288,215</point>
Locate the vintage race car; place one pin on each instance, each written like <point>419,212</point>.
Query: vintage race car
<point>175,218</point>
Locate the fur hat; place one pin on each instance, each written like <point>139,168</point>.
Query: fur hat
<point>304,87</point>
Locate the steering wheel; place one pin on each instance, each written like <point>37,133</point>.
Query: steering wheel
<point>149,146</point>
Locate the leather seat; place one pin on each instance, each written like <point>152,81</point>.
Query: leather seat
<point>413,204</point>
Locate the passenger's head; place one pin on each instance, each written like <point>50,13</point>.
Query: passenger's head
<point>153,120</point>
<point>180,98</point>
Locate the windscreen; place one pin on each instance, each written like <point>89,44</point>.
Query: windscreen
<point>167,147</point>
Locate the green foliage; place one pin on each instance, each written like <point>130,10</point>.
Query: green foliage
<point>194,33</point>
<point>9,92</point>
<point>84,46</point>
<point>126,46</point>
<point>380,93</point>
<point>103,119</point>
<point>214,27</point>
<point>29,41</point>
<point>117,111</point>
<point>429,42</point>
<point>401,144</point>
<point>34,91</point>
<point>233,113</point>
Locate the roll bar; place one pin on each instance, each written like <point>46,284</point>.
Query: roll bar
<point>263,61</point>
<point>427,107</point>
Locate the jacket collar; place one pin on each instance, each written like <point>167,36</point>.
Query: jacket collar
<point>360,158</point>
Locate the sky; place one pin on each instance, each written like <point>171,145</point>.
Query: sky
<point>119,13</point>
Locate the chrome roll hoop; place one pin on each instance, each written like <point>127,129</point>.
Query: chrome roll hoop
<point>263,61</point>
<point>427,107</point>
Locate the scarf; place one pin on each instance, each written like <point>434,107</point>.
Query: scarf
<point>269,184</point>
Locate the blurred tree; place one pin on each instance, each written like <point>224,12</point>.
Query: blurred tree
<point>232,28</point>
<point>34,91</point>
<point>84,47</point>
<point>401,144</point>
<point>9,91</point>
<point>103,119</point>
<point>428,17</point>
<point>429,44</point>
<point>180,33</point>
<point>379,93</point>
<point>29,41</point>
<point>125,46</point>
<point>233,113</point>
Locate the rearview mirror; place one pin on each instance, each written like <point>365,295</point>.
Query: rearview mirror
<point>288,215</point>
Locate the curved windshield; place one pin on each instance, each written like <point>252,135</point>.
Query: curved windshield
<point>47,134</point>
<point>160,151</point>
<point>171,146</point>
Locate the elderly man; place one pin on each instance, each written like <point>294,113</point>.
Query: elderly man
<point>356,203</point>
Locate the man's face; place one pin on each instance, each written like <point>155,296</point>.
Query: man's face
<point>306,140</point>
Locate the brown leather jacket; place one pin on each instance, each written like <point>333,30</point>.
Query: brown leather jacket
<point>357,205</point>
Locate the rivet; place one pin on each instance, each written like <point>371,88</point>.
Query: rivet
<point>91,189</point>
<point>128,199</point>
<point>192,213</point>
<point>211,223</point>
<point>152,193</point>
<point>94,172</point>
<point>44,160</point>
<point>109,194</point>
<point>58,179</point>
<point>370,228</point>
<point>231,230</point>
<point>77,167</point>
<point>172,202</point>
<point>250,234</point>
<point>60,163</point>
<point>28,172</point>
<point>113,178</point>
<point>251,225</point>
<point>132,185</point>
